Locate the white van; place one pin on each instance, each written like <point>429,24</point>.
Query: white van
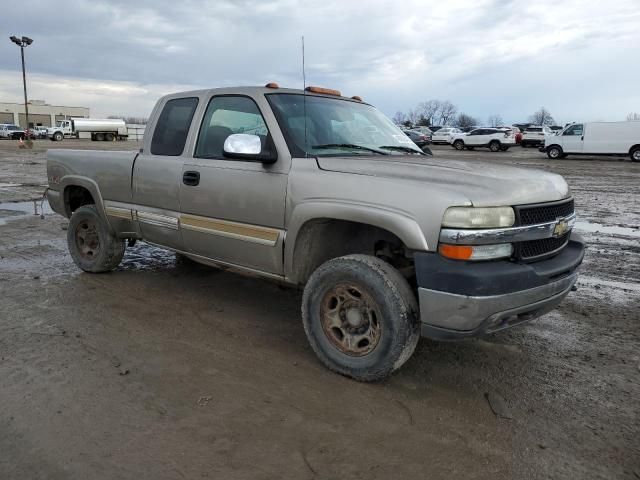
<point>595,138</point>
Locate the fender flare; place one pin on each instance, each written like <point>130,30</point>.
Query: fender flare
<point>397,222</point>
<point>91,186</point>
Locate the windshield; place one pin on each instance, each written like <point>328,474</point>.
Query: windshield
<point>13,127</point>
<point>336,127</point>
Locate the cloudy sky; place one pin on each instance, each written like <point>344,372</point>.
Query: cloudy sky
<point>577,58</point>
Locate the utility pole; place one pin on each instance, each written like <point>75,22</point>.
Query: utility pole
<point>23,43</point>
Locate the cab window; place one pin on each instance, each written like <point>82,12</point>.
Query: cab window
<point>172,128</point>
<point>227,115</point>
<point>575,130</point>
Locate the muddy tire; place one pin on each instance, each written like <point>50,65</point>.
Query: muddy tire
<point>554,152</point>
<point>494,146</point>
<point>635,154</point>
<point>360,317</point>
<point>92,246</point>
<point>458,145</point>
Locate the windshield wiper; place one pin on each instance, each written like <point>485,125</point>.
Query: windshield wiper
<point>400,148</point>
<point>349,145</point>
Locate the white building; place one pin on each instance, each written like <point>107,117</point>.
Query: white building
<point>40,113</point>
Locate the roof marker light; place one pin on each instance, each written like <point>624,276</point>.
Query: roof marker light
<point>326,91</point>
<point>272,85</point>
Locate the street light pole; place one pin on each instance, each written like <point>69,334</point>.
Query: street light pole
<point>22,43</point>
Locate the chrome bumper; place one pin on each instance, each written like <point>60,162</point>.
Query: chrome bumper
<point>448,316</point>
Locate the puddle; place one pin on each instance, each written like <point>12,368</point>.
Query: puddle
<point>11,210</point>
<point>607,229</point>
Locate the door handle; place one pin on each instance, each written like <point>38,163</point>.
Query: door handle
<point>191,178</point>
<point>582,138</point>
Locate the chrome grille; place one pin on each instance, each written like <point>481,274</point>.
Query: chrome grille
<point>544,212</point>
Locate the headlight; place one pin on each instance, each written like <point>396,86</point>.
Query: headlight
<point>478,217</point>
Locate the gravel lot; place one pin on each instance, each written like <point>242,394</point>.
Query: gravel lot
<point>166,369</point>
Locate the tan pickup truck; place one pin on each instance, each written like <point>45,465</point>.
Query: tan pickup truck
<point>324,192</point>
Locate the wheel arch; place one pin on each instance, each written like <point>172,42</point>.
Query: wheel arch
<point>321,231</point>
<point>84,189</point>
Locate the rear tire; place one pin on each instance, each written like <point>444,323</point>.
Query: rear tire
<point>109,137</point>
<point>494,146</point>
<point>360,317</point>
<point>504,148</point>
<point>635,154</point>
<point>458,145</point>
<point>99,137</point>
<point>92,246</point>
<point>554,152</point>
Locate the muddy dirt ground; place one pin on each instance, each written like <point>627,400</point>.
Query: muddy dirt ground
<point>165,369</point>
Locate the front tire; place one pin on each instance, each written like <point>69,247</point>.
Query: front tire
<point>635,154</point>
<point>494,146</point>
<point>554,152</point>
<point>458,145</point>
<point>58,136</point>
<point>360,317</point>
<point>92,246</point>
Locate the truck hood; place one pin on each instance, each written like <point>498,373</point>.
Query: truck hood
<point>483,183</point>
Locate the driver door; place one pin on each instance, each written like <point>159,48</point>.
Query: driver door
<point>233,210</point>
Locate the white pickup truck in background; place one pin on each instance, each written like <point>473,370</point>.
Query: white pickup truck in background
<point>595,138</point>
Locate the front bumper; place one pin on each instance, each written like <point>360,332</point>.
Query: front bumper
<point>467,299</point>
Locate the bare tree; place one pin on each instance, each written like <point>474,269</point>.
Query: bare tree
<point>633,116</point>
<point>447,112</point>
<point>430,110</point>
<point>399,118</point>
<point>542,117</point>
<point>495,120</point>
<point>464,121</point>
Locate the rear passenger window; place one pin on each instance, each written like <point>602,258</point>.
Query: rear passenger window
<point>225,116</point>
<point>172,128</point>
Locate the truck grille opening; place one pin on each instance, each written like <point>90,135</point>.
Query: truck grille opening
<point>533,249</point>
<point>543,213</point>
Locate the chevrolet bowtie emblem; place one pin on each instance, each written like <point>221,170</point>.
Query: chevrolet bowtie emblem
<point>561,228</point>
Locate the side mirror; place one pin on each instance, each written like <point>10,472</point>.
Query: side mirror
<point>245,146</point>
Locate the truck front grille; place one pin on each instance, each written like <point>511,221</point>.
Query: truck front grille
<point>532,249</point>
<point>543,213</point>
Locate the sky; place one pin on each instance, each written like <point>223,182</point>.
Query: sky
<point>506,57</point>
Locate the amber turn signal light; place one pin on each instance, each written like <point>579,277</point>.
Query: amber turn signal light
<point>456,252</point>
<point>272,85</point>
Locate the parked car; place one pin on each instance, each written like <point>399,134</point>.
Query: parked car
<point>444,135</point>
<point>425,130</point>
<point>534,136</point>
<point>40,132</point>
<point>517,134</point>
<point>386,246</point>
<point>494,139</point>
<point>9,130</point>
<point>595,138</point>
<point>420,139</point>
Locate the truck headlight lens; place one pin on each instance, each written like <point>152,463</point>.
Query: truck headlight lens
<point>478,217</point>
<point>476,252</point>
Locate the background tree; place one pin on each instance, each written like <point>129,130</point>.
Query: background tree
<point>447,112</point>
<point>464,121</point>
<point>633,116</point>
<point>495,120</point>
<point>399,118</point>
<point>429,110</point>
<point>542,117</point>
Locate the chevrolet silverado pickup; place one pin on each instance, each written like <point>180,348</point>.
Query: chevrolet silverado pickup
<point>324,192</point>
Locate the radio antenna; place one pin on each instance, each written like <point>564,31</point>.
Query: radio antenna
<point>304,100</point>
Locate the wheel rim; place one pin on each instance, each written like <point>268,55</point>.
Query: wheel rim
<point>636,155</point>
<point>458,145</point>
<point>494,147</point>
<point>87,239</point>
<point>351,320</point>
<point>554,153</point>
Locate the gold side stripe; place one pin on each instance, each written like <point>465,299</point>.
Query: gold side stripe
<point>124,213</point>
<point>157,219</point>
<point>241,231</point>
